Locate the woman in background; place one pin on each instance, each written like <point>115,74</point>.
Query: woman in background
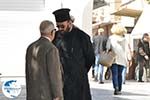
<point>118,44</point>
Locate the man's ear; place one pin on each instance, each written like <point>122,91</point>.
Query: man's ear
<point>69,21</point>
<point>53,34</point>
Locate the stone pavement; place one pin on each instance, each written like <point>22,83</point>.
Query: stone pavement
<point>132,90</point>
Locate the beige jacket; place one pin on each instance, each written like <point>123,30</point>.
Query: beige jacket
<point>120,47</point>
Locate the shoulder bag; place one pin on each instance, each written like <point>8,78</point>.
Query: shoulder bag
<point>107,59</point>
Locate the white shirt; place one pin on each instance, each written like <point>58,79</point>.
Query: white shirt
<point>47,38</point>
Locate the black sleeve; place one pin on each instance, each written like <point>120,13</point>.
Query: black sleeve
<point>104,44</point>
<point>88,51</point>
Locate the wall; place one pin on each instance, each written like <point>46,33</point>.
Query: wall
<point>20,26</point>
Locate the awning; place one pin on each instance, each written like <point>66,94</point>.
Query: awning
<point>99,3</point>
<point>143,23</point>
<point>127,12</point>
<point>97,25</point>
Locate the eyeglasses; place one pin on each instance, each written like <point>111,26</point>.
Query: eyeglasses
<point>60,26</point>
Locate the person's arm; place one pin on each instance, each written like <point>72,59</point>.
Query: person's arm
<point>55,75</point>
<point>88,52</point>
<point>27,70</point>
<point>141,50</point>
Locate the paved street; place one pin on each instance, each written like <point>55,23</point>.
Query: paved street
<point>132,90</point>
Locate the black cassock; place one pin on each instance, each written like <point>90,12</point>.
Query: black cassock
<point>77,56</point>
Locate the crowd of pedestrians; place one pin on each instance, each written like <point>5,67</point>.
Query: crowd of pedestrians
<point>128,64</point>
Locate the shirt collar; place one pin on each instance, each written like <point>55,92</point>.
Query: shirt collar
<point>47,38</point>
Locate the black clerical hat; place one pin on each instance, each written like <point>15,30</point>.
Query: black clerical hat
<point>62,14</point>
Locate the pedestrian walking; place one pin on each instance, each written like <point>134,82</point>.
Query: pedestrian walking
<point>143,56</point>
<point>99,41</point>
<point>117,43</point>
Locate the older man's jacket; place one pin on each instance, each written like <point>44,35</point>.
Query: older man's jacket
<point>43,72</point>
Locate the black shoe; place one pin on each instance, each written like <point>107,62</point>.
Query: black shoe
<point>140,81</point>
<point>117,92</point>
<point>101,82</point>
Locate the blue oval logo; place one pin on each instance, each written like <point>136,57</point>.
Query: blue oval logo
<point>11,88</point>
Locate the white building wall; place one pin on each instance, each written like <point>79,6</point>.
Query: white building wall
<point>20,26</point>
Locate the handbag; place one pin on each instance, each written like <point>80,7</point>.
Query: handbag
<point>107,59</point>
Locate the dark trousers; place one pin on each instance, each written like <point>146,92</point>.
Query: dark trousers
<point>117,76</point>
<point>141,71</point>
<point>142,65</point>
